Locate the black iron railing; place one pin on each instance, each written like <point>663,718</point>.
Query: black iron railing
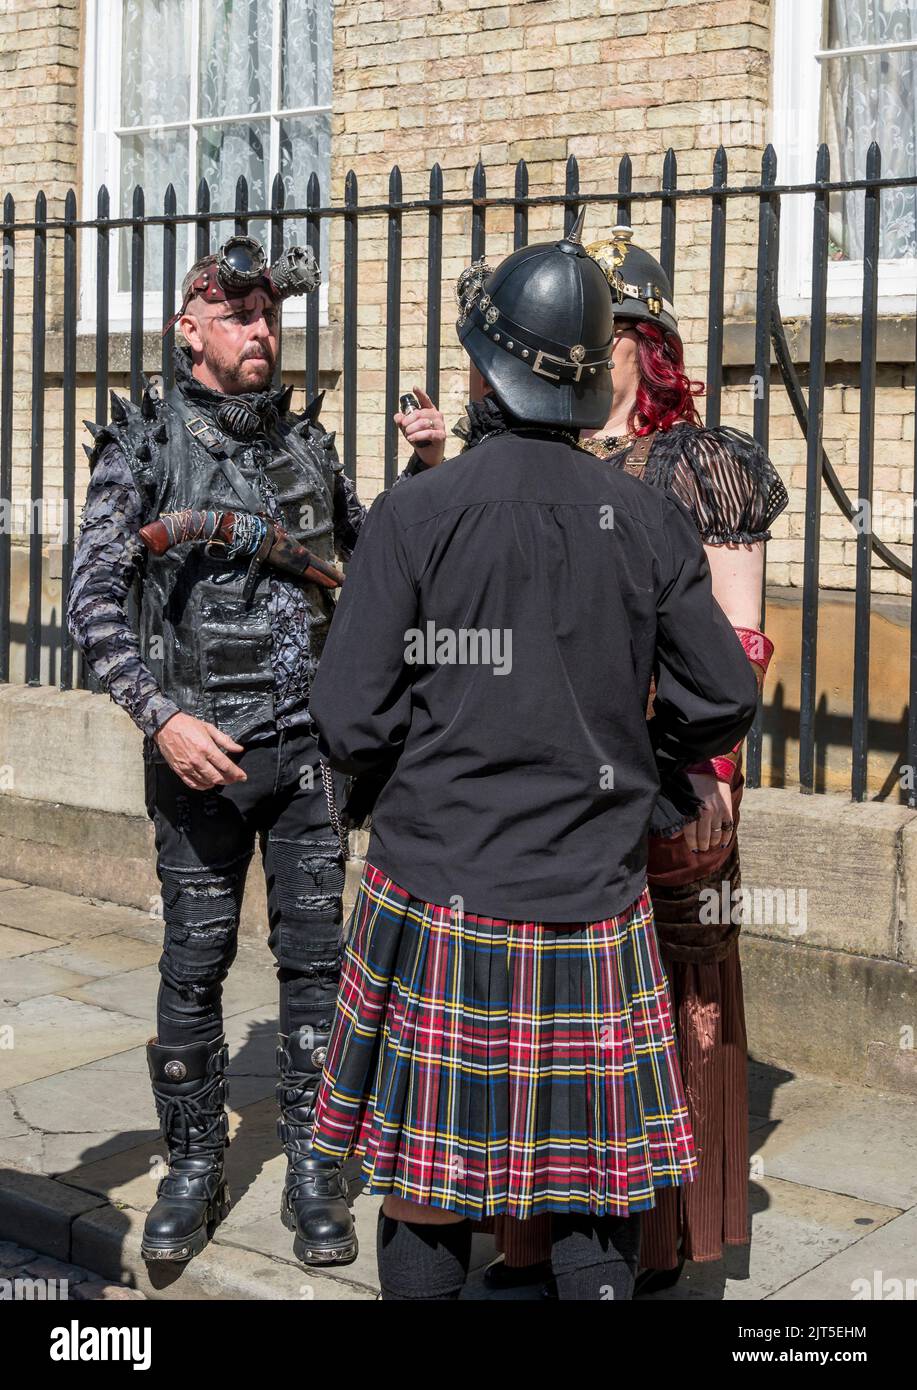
<point>769,339</point>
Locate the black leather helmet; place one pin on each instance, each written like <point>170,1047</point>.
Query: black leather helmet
<point>539,330</point>
<point>641,288</point>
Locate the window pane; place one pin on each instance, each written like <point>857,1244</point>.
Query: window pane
<point>226,152</point>
<point>154,160</point>
<point>155,53</point>
<point>872,97</point>
<point>305,147</point>
<point>235,57</point>
<point>305,78</point>
<point>852,23</point>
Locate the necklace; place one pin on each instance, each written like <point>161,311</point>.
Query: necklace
<point>608,443</point>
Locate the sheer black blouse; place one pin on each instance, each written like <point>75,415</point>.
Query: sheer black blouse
<point>722,476</point>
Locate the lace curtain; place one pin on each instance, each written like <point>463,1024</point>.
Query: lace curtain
<point>870,97</point>
<point>235,78</point>
<point>155,90</point>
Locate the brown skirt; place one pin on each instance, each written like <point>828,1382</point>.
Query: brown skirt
<point>709,1017</point>
<point>705,982</point>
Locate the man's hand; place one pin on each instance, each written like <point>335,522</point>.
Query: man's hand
<point>425,430</point>
<point>197,752</point>
<point>713,827</point>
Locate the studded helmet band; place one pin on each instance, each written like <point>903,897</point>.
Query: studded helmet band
<point>557,361</point>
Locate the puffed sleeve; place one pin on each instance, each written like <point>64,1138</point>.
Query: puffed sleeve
<point>726,481</point>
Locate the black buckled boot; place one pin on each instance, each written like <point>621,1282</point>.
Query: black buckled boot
<point>314,1202</point>
<point>189,1088</point>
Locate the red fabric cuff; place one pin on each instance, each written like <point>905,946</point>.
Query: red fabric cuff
<point>722,768</point>
<point>756,645</point>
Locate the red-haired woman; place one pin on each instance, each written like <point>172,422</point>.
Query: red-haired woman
<point>733,493</point>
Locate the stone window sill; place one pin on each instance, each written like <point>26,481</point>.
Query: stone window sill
<point>894,339</point>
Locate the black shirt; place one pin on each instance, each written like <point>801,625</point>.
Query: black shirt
<point>524,775</point>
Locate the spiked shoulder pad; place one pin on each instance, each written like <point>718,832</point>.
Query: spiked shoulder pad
<point>139,431</point>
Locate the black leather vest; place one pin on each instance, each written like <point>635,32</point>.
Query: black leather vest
<point>207,647</point>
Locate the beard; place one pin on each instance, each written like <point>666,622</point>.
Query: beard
<point>237,375</point>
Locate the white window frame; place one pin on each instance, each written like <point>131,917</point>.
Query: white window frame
<point>101,163</point>
<point>799,58</point>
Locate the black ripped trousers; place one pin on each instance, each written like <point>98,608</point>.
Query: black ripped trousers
<point>204,844</point>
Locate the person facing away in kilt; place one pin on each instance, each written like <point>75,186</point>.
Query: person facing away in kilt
<point>734,493</point>
<point>503,1042</point>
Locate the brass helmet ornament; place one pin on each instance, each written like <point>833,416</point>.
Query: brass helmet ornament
<point>539,329</point>
<point>240,266</point>
<point>642,290</point>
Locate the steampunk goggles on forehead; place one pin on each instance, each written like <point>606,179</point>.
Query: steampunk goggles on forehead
<point>557,361</point>
<point>240,266</point>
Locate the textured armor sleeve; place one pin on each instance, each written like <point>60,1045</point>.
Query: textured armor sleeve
<point>349,515</point>
<point>108,556</point>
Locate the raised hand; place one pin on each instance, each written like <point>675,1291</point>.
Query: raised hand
<point>424,430</point>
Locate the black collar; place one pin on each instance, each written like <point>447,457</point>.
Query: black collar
<point>241,415</point>
<point>488,417</point>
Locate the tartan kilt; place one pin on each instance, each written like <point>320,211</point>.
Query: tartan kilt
<point>492,1067</point>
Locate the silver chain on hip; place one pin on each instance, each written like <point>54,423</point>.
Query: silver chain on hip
<point>333,814</point>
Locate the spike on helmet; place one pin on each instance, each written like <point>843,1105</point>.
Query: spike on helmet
<point>539,330</point>
<point>642,290</point>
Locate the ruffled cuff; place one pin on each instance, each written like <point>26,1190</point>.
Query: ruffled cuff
<point>675,806</point>
<point>719,535</point>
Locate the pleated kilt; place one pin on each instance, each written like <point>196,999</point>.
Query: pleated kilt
<point>489,1067</point>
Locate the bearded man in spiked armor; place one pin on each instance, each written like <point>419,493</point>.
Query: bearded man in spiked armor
<point>228,511</point>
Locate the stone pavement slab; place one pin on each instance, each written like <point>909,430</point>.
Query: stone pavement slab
<point>883,1266</point>
<point>61,915</point>
<point>794,1229</point>
<point>11,1123</point>
<point>84,1114</point>
<point>28,976</point>
<point>97,956</point>
<point>842,1139</point>
<point>16,942</point>
<point>52,1034</point>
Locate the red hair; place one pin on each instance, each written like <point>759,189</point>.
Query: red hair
<point>665,394</point>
